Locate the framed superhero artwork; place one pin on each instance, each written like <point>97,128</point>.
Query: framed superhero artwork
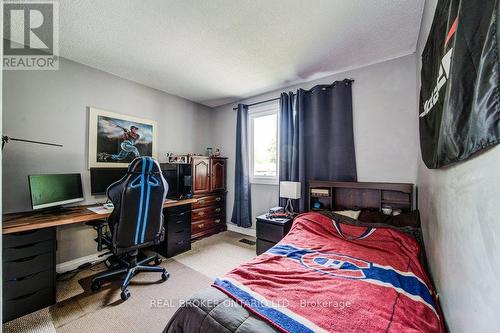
<point>116,139</point>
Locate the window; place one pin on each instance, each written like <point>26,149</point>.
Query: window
<point>263,143</point>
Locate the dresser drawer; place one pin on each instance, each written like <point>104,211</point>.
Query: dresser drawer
<point>205,224</point>
<point>206,212</point>
<point>27,250</point>
<point>177,224</point>
<point>178,243</point>
<point>177,210</point>
<point>13,269</point>
<point>27,284</point>
<point>208,200</point>
<point>28,237</point>
<point>263,246</point>
<point>272,232</point>
<point>26,303</point>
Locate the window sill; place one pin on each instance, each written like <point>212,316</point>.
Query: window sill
<point>261,181</point>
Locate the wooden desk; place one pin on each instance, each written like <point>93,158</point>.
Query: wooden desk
<point>27,221</point>
<point>29,248</point>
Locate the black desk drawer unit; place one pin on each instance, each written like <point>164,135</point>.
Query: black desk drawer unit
<point>29,271</point>
<point>270,232</point>
<point>177,231</point>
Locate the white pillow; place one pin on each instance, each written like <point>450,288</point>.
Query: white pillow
<point>353,214</point>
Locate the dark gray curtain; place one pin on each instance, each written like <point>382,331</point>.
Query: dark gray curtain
<point>316,136</point>
<point>242,211</point>
<point>288,138</point>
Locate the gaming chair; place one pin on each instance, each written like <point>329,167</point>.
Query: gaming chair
<point>136,221</point>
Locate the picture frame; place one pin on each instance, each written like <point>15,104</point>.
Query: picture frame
<point>116,139</point>
<point>176,158</point>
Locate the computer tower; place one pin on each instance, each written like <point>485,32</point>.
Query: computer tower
<point>179,179</point>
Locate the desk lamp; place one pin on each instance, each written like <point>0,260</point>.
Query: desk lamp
<point>289,190</point>
<point>6,139</point>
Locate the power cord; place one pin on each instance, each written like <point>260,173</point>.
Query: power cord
<point>65,276</point>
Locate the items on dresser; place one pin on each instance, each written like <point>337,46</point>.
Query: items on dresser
<point>276,210</point>
<point>270,231</point>
<point>29,272</point>
<point>177,231</point>
<point>209,188</point>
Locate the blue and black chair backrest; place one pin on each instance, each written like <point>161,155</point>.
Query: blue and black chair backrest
<point>137,218</point>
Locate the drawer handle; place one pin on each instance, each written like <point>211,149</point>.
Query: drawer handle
<point>218,210</point>
<point>25,259</point>
<point>201,225</point>
<point>201,213</point>
<point>24,246</point>
<point>180,231</point>
<point>218,199</point>
<point>217,221</point>
<point>180,221</point>
<point>26,277</point>
<point>22,233</point>
<point>201,201</point>
<point>23,296</point>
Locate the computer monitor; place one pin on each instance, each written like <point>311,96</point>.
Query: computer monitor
<point>55,190</point>
<point>101,178</point>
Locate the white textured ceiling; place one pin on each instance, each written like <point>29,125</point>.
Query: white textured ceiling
<point>219,51</point>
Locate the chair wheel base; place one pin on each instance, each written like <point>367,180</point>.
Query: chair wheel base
<point>125,294</point>
<point>165,276</point>
<point>158,261</point>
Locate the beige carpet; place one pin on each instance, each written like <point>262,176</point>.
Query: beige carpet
<point>151,304</point>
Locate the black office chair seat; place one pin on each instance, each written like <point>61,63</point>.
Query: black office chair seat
<point>135,223</point>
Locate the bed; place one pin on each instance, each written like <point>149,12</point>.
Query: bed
<point>331,273</point>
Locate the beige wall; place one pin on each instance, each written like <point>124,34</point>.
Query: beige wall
<point>385,131</point>
<point>52,106</point>
<point>460,211</point>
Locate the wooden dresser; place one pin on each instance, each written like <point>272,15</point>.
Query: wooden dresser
<point>209,188</point>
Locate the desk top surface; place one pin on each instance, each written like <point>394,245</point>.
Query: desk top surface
<point>26,221</point>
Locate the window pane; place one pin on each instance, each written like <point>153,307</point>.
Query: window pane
<point>264,146</point>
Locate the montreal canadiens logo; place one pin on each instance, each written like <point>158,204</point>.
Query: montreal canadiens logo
<point>335,264</point>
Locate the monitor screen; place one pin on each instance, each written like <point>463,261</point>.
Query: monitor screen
<point>55,190</point>
<point>101,178</point>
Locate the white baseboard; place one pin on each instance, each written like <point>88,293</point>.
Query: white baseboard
<point>240,230</point>
<point>75,263</point>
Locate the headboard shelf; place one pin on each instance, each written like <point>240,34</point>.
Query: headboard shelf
<point>360,195</point>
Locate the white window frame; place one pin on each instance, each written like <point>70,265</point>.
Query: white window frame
<point>257,111</point>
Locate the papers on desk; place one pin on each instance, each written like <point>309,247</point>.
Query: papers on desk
<point>169,201</point>
<point>100,210</point>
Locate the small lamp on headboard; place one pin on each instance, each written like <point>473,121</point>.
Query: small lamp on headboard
<point>289,190</point>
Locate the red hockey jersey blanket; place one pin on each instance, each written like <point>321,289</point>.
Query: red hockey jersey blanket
<point>330,277</point>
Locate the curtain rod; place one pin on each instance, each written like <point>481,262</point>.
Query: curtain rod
<point>277,98</point>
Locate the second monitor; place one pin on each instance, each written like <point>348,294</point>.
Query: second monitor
<point>101,178</point>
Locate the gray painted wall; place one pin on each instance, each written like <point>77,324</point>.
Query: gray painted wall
<point>52,106</point>
<point>385,130</point>
<point>460,212</point>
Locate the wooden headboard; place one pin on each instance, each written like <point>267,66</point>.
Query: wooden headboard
<point>359,195</point>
